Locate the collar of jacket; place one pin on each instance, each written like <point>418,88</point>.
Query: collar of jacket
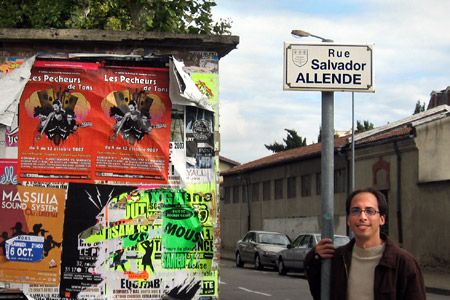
<point>389,255</point>
<point>387,260</point>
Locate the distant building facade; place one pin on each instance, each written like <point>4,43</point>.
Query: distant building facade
<point>407,160</point>
<point>226,163</point>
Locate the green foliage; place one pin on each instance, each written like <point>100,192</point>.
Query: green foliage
<point>34,14</point>
<point>292,141</point>
<point>419,107</point>
<point>361,127</point>
<point>181,16</point>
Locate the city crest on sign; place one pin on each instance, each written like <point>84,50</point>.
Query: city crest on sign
<point>300,57</point>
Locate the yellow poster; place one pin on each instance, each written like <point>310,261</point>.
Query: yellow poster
<point>31,234</point>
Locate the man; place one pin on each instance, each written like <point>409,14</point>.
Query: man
<point>370,266</point>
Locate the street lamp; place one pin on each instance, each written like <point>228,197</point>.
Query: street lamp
<point>301,33</point>
<point>327,177</point>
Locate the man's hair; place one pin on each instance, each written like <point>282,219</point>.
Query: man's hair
<point>381,199</point>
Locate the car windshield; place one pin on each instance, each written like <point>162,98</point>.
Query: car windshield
<point>340,241</point>
<point>276,239</point>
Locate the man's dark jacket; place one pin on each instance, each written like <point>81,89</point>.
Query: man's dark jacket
<point>397,275</point>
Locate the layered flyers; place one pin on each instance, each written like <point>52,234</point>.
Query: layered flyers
<point>92,123</point>
<point>124,240</point>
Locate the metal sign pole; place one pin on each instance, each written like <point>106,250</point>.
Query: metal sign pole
<point>353,142</point>
<point>352,188</point>
<point>327,67</point>
<point>327,187</point>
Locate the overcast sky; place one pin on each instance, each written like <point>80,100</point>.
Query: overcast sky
<point>411,59</point>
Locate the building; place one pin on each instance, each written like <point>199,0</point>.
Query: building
<point>226,163</point>
<point>407,160</point>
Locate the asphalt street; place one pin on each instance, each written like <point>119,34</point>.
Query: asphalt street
<point>249,284</point>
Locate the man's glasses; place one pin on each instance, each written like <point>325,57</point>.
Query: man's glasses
<point>356,211</point>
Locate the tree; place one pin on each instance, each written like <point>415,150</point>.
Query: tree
<point>292,141</point>
<point>181,16</point>
<point>364,126</point>
<point>319,136</point>
<point>419,107</point>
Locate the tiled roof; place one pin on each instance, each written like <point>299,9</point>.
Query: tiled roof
<point>400,128</point>
<point>230,161</point>
<point>285,156</point>
<point>426,116</point>
<point>395,133</point>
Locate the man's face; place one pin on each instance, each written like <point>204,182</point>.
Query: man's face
<point>365,227</point>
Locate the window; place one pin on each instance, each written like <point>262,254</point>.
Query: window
<point>305,242</point>
<point>291,187</point>
<point>278,189</point>
<point>227,194</point>
<point>306,185</point>
<point>244,193</point>
<point>297,241</point>
<point>250,237</point>
<point>339,181</point>
<point>236,194</point>
<point>255,192</point>
<point>266,190</point>
<point>276,239</point>
<point>318,183</point>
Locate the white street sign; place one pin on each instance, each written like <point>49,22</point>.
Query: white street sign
<point>328,67</point>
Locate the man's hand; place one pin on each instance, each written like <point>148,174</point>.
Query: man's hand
<point>325,248</point>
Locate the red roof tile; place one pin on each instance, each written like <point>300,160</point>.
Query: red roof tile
<point>396,129</point>
<point>230,161</point>
<point>285,156</point>
<point>313,149</point>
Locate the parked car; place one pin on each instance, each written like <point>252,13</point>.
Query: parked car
<point>292,258</point>
<point>260,248</point>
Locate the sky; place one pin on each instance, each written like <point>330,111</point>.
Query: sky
<point>411,59</point>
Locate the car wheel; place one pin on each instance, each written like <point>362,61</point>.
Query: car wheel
<point>258,265</point>
<point>239,262</point>
<point>281,268</point>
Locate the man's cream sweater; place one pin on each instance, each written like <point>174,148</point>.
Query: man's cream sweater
<point>362,272</point>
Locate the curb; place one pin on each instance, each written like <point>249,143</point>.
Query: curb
<point>437,291</point>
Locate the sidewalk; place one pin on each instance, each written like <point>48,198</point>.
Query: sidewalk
<point>436,281</point>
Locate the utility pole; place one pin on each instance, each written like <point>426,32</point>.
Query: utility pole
<point>312,67</point>
<point>327,186</point>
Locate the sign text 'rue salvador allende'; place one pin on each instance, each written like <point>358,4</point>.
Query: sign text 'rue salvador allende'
<point>328,67</point>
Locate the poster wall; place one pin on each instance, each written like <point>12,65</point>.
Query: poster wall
<point>137,211</point>
<point>87,122</point>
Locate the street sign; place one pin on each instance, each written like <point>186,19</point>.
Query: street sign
<point>328,67</point>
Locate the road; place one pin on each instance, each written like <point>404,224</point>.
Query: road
<point>249,284</point>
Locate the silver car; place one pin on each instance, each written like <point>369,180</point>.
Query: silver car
<point>292,258</point>
<point>260,248</point>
